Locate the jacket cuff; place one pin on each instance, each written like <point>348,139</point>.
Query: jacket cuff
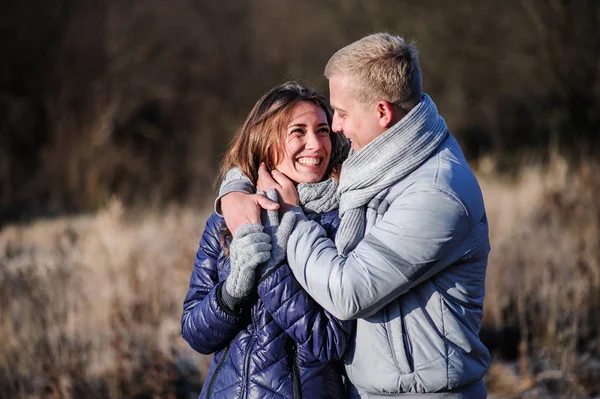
<point>231,304</point>
<point>299,213</point>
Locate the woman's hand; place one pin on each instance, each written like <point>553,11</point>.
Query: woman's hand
<point>288,195</point>
<point>279,229</point>
<point>250,247</point>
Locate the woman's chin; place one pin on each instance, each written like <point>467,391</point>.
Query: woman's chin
<point>307,180</point>
<point>305,177</point>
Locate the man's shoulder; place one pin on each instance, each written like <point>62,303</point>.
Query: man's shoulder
<point>446,173</point>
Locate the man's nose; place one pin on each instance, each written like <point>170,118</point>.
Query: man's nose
<point>336,123</point>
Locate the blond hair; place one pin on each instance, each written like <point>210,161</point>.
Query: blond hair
<point>379,67</point>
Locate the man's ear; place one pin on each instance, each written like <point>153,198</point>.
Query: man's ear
<point>386,114</point>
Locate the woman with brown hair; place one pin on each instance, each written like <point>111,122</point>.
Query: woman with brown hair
<point>270,339</point>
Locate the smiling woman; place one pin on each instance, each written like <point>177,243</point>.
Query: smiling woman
<point>268,336</point>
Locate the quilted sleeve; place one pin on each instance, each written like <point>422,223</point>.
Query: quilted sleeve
<point>411,243</point>
<point>207,324</point>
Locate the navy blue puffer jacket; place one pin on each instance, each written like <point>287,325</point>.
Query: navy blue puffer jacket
<point>283,345</point>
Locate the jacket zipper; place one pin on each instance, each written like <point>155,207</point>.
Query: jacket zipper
<point>392,344</point>
<point>214,376</point>
<point>296,384</point>
<point>247,356</point>
<point>407,345</point>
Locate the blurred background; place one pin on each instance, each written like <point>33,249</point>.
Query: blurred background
<point>114,117</point>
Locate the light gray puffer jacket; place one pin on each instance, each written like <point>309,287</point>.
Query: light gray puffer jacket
<point>415,282</point>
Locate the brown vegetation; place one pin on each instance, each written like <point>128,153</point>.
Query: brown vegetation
<point>140,98</point>
<point>91,304</point>
<point>113,119</point>
<point>543,283</point>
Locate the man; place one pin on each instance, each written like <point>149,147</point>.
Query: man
<point>410,256</point>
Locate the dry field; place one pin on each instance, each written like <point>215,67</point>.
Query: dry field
<point>90,304</point>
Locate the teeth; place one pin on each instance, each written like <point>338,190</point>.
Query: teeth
<point>309,161</point>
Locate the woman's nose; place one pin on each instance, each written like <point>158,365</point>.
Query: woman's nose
<point>313,141</point>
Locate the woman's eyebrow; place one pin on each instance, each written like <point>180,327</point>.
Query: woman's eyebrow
<point>304,125</point>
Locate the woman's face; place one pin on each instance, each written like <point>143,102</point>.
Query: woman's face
<point>307,144</point>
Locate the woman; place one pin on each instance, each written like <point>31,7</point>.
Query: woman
<point>270,339</point>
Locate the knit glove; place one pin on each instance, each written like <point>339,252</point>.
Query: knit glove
<point>249,248</point>
<point>279,231</point>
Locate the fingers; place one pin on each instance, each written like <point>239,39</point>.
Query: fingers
<point>254,230</point>
<point>287,191</point>
<point>288,221</point>
<point>259,257</point>
<point>272,195</point>
<point>265,180</point>
<point>263,246</point>
<point>281,179</point>
<point>286,226</point>
<point>259,252</point>
<point>253,241</point>
<point>252,248</point>
<point>266,203</point>
<point>272,215</point>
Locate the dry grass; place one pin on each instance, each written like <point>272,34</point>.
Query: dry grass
<point>543,278</point>
<point>90,305</point>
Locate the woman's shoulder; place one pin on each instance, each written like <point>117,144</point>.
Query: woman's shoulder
<point>322,216</point>
<point>215,220</point>
<point>330,221</point>
<point>213,230</point>
<point>214,224</point>
<point>331,215</point>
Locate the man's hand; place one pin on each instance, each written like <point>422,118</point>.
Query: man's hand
<point>241,208</point>
<point>288,195</point>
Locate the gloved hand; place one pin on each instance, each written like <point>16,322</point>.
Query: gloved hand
<point>279,231</point>
<point>250,247</point>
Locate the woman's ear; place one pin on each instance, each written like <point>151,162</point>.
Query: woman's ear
<point>271,162</point>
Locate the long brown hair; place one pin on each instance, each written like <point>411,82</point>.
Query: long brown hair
<point>262,136</point>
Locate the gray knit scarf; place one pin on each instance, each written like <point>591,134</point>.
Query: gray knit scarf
<point>318,197</point>
<point>382,163</point>
<point>314,197</point>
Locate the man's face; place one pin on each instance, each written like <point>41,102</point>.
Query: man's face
<point>358,122</point>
